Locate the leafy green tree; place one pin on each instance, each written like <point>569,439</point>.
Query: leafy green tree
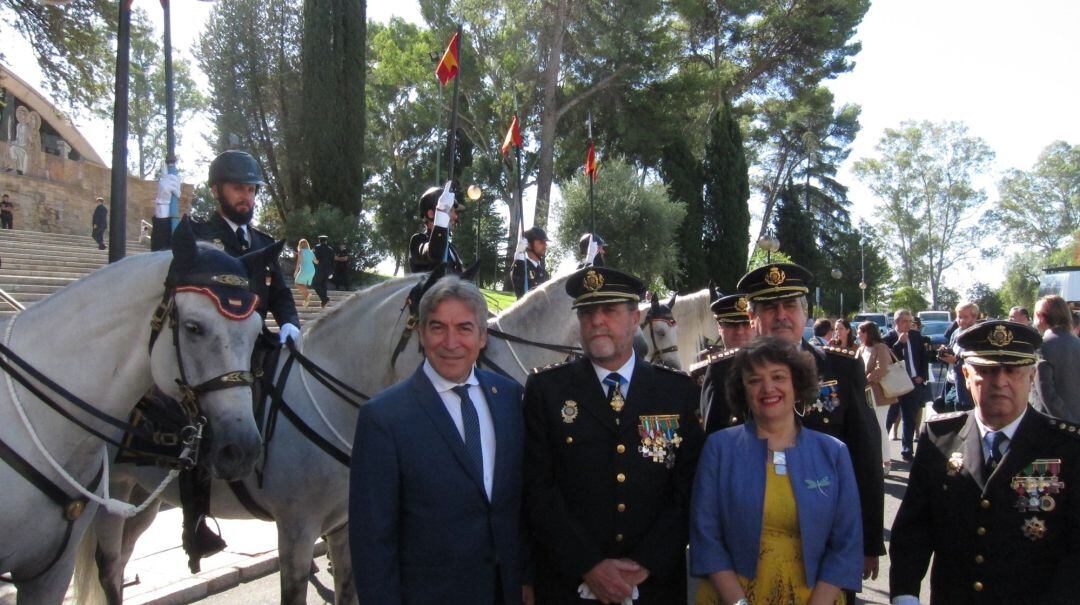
<point>925,174</point>
<point>333,75</point>
<point>492,240</point>
<point>339,227</point>
<point>988,300</point>
<point>1040,208</point>
<point>796,232</point>
<point>948,298</point>
<point>203,203</point>
<point>724,237</point>
<point>73,45</point>
<point>908,298</point>
<point>1021,285</point>
<point>146,98</point>
<point>637,221</point>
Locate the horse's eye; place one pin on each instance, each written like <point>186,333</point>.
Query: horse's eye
<point>193,327</point>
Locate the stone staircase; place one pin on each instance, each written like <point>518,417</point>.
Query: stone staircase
<point>35,264</point>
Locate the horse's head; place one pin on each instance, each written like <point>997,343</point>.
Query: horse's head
<point>209,310</point>
<point>661,332</point>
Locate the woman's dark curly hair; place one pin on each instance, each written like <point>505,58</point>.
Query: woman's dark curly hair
<point>771,349</point>
<point>850,342</point>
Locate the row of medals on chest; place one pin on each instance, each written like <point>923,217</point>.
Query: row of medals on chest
<point>659,433</point>
<point>1035,487</point>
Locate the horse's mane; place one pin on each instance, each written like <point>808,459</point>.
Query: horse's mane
<point>357,297</point>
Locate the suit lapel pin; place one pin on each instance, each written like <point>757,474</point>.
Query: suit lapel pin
<point>569,411</point>
<point>494,391</point>
<point>955,464</point>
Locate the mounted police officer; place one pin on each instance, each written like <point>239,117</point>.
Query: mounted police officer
<point>610,452</point>
<point>591,251</point>
<point>439,211</point>
<point>992,491</point>
<point>777,303</point>
<point>531,252</point>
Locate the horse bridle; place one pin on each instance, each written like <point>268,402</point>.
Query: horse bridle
<point>657,352</point>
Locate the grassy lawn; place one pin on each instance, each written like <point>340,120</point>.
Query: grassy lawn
<point>498,301</point>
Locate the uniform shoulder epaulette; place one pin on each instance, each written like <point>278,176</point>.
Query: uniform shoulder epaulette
<point>660,366</point>
<point>551,366</point>
<point>1063,426</point>
<point>839,351</point>
<point>947,417</point>
<point>945,424</point>
<point>699,367</point>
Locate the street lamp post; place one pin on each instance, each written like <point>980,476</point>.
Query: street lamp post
<point>473,193</point>
<point>862,276</point>
<point>837,274</point>
<point>769,244</point>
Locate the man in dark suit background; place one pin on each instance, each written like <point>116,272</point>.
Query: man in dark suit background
<point>907,344</point>
<point>993,493</point>
<point>435,488</point>
<point>324,269</point>
<point>1057,373</point>
<point>611,447</point>
<point>99,223</point>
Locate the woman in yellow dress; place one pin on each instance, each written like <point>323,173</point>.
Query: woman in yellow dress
<point>775,513</point>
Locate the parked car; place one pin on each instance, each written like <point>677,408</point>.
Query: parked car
<point>883,321</point>
<point>926,316</point>
<point>936,331</point>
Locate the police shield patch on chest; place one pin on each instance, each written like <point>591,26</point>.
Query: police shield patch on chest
<point>659,438</point>
<point>569,411</point>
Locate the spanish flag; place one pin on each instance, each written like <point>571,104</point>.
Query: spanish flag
<point>513,137</point>
<point>590,161</point>
<point>448,66</point>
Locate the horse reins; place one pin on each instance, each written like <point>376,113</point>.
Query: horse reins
<point>657,352</point>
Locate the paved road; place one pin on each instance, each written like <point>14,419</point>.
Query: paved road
<point>264,591</point>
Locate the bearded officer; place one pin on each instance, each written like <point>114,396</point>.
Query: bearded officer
<point>991,490</point>
<point>610,451</point>
<point>529,261</point>
<point>430,247</point>
<point>777,299</point>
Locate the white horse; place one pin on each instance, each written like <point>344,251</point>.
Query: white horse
<point>661,331</point>
<point>304,488</point>
<point>697,326</point>
<point>93,338</point>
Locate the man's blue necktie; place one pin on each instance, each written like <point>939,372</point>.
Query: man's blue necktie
<point>471,423</point>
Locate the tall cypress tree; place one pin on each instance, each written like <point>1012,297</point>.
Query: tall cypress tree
<point>685,183</point>
<point>726,214</point>
<point>333,80</point>
<point>797,232</point>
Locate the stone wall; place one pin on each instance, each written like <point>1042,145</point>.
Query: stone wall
<point>58,196</point>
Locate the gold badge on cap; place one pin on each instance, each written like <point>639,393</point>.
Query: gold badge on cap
<point>593,281</point>
<point>569,411</point>
<point>1000,336</point>
<point>742,304</point>
<point>775,276</point>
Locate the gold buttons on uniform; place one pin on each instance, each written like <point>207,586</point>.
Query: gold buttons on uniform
<point>620,477</point>
<point>621,507</point>
<point>977,586</point>
<point>569,440</point>
<point>825,420</point>
<point>979,559</point>
<point>985,503</point>
<point>620,448</point>
<point>618,537</point>
<point>981,531</point>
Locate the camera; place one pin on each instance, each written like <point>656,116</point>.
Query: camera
<point>943,351</point>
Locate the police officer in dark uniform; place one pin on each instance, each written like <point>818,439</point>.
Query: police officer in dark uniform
<point>324,269</point>
<point>428,248</point>
<point>611,448</point>
<point>597,259</point>
<point>777,296</point>
<point>732,313</point>
<point>991,492</point>
<point>530,255</point>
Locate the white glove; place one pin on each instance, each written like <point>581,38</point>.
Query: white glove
<point>593,249</point>
<point>446,200</point>
<point>168,186</point>
<point>287,331</point>
<point>523,245</point>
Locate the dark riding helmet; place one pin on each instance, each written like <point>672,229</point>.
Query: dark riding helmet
<point>536,233</point>
<point>583,243</point>
<point>431,198</point>
<point>235,167</point>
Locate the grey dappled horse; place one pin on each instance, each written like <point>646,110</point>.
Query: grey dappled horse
<point>306,490</point>
<point>92,339</point>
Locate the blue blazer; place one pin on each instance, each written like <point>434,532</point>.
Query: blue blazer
<point>729,500</point>
<point>421,527</point>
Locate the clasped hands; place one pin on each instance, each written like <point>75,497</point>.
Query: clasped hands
<point>613,580</point>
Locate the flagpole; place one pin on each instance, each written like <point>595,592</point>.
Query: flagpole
<point>521,210</point>
<point>170,120</point>
<point>592,176</point>
<point>454,112</point>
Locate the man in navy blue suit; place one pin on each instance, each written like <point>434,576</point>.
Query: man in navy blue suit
<point>435,492</point>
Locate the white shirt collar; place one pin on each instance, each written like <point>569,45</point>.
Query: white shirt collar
<point>626,371</point>
<point>443,385</point>
<point>1009,430</point>
<point>233,225</point>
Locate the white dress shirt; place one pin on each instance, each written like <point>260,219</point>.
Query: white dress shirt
<point>453,407</point>
<point>626,371</point>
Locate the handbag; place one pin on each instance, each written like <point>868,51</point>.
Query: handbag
<point>896,381</point>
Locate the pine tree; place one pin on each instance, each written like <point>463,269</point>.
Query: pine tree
<point>333,81</point>
<point>726,216</point>
<point>797,232</point>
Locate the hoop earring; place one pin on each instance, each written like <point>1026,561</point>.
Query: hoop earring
<point>797,412</point>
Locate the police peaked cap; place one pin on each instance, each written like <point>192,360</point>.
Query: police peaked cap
<point>733,308</point>
<point>601,285</point>
<point>999,342</point>
<point>775,281</point>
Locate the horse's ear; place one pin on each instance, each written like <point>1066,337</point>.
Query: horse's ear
<point>470,273</point>
<point>436,274</point>
<point>184,248</point>
<point>671,303</point>
<point>713,294</point>
<point>654,304</point>
<point>257,261</point>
